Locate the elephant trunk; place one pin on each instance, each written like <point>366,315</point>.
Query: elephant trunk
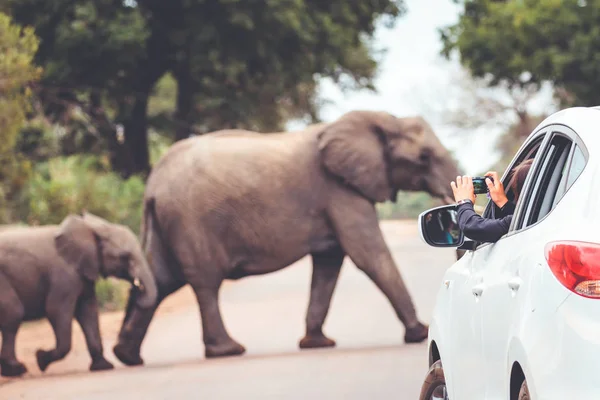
<point>144,283</point>
<point>438,182</point>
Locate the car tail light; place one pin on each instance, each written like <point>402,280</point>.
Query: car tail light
<point>576,265</point>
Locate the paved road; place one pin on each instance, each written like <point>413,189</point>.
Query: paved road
<point>266,314</point>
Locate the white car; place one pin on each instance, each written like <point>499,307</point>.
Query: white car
<point>520,318</point>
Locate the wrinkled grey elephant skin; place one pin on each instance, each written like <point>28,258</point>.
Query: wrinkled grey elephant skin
<point>236,203</point>
<point>50,271</point>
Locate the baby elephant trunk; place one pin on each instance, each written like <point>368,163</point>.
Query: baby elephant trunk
<point>144,283</point>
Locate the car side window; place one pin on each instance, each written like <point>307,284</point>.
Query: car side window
<point>577,164</point>
<point>492,210</point>
<point>553,179</point>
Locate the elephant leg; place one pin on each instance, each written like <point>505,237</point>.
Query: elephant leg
<point>326,270</point>
<point>135,325</point>
<point>60,312</point>
<point>217,342</point>
<point>358,231</point>
<point>86,314</point>
<point>11,316</point>
<point>9,365</point>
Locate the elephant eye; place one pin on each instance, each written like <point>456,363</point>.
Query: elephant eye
<point>124,258</point>
<point>425,156</point>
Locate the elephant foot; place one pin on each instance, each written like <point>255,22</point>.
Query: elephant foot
<point>43,359</point>
<point>416,334</point>
<point>12,368</point>
<point>230,348</point>
<point>316,341</point>
<point>101,364</point>
<point>128,355</point>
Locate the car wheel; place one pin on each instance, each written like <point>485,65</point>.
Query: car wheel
<point>434,386</point>
<point>524,392</point>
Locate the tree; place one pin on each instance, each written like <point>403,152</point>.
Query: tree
<point>17,46</point>
<point>254,64</point>
<point>90,51</point>
<point>524,43</point>
<point>236,63</point>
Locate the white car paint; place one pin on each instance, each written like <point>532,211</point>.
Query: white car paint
<point>501,305</point>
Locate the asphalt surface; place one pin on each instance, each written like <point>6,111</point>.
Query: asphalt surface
<point>266,314</point>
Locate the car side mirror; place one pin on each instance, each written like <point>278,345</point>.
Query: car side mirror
<point>439,227</point>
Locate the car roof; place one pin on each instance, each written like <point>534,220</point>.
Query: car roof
<point>585,121</point>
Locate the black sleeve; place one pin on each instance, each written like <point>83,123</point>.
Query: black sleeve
<point>480,229</point>
<point>507,209</point>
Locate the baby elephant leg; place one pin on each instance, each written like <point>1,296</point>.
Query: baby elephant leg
<point>87,317</point>
<point>11,315</point>
<point>59,310</point>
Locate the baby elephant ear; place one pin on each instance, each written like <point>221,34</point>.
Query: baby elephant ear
<point>75,242</point>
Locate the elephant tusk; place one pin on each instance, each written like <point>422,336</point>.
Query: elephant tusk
<point>138,284</point>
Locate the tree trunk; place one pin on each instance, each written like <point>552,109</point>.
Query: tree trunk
<point>185,95</point>
<point>120,160</point>
<point>152,67</point>
<point>136,135</point>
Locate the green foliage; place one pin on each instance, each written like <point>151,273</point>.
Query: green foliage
<point>257,79</point>
<point>70,185</point>
<point>17,49</point>
<point>407,206</point>
<point>524,43</point>
<point>235,63</point>
<point>158,146</point>
<point>163,97</point>
<point>85,44</point>
<point>93,53</point>
<point>111,294</point>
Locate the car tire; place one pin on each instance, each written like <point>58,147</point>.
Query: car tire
<point>434,383</point>
<point>524,392</point>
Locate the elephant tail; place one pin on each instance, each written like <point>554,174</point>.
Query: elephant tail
<point>152,233</point>
<point>149,223</point>
<point>144,231</point>
<point>158,253</point>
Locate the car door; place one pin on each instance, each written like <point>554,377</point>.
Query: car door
<point>463,345</point>
<point>537,223</point>
<point>509,270</point>
<point>475,294</point>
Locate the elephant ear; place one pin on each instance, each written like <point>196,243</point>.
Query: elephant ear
<point>76,243</point>
<point>352,149</point>
<point>416,141</point>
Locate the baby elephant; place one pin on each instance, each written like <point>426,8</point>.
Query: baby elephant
<point>50,271</point>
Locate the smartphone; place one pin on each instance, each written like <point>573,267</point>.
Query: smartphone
<point>479,184</point>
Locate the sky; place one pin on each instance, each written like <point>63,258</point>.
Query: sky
<point>413,79</point>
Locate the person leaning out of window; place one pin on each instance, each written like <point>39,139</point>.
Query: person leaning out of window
<point>474,226</point>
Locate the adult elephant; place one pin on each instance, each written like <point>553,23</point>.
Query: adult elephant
<point>50,271</point>
<point>236,203</point>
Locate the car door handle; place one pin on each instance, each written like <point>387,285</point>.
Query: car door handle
<point>515,283</point>
<point>477,290</point>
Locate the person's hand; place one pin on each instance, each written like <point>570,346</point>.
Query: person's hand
<point>496,189</point>
<point>463,189</point>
